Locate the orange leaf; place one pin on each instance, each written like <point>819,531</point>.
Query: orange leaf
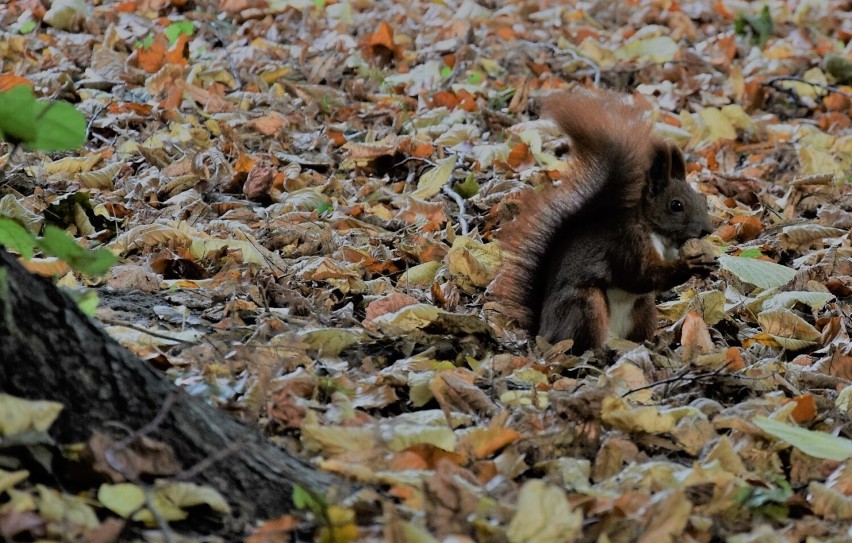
<point>506,33</point>
<point>383,36</point>
<point>748,227</point>
<point>734,359</point>
<point>407,460</point>
<point>129,107</point>
<point>269,125</point>
<point>9,80</point>
<point>694,336</point>
<point>179,51</point>
<point>152,58</point>
<point>416,147</point>
<point>805,409</point>
<point>274,530</point>
<point>484,442</point>
<point>446,99</point>
<point>519,155</point>
<point>244,163</point>
<point>467,101</point>
<point>336,137</point>
<point>720,8</point>
<point>431,454</point>
<point>125,7</point>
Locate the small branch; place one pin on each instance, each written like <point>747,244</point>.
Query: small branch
<point>462,210</point>
<point>828,88</point>
<point>683,375</point>
<point>147,331</point>
<point>95,115</point>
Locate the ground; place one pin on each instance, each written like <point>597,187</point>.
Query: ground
<point>306,199</point>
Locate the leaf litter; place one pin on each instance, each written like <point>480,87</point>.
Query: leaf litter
<point>307,196</point>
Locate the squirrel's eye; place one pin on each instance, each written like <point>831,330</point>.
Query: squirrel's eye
<point>676,206</point>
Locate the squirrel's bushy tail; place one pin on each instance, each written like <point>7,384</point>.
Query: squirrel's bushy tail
<point>611,145</point>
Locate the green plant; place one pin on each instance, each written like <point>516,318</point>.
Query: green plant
<point>39,125</point>
<point>45,126</point>
<point>760,27</point>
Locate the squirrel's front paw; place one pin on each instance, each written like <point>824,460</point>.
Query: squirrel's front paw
<point>699,257</point>
<point>700,265</point>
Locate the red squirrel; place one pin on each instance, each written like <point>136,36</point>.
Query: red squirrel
<point>585,259</point>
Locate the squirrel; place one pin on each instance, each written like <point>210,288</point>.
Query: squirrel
<point>585,259</point>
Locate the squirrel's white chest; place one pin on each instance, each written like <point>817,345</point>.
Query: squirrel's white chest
<point>664,247</point>
<point>620,304</point>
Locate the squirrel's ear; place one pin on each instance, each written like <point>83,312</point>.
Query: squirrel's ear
<point>661,169</point>
<point>667,164</point>
<point>678,170</point>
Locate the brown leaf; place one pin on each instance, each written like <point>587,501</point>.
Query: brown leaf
<point>141,457</point>
<point>388,304</point>
<point>695,337</point>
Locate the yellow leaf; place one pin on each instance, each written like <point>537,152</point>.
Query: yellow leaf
<point>18,415</point>
<point>476,263</point>
<point>616,412</point>
<point>484,442</point>
<point>71,165</point>
<point>544,516</point>
<point>421,275</point>
<point>185,495</point>
<point>332,439</point>
<point>659,49</point>
<point>716,126</point>
<point>9,479</point>
<point>65,509</point>
<point>122,499</point>
<point>341,526</point>
<point>432,181</point>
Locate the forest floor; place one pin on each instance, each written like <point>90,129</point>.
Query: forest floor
<point>306,197</point>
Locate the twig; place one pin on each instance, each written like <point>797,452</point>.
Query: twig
<point>815,179</point>
<point>147,331</point>
<point>683,375</point>
<point>829,88</point>
<point>462,210</point>
<point>95,115</point>
<point>209,461</point>
<point>574,54</point>
<point>114,463</point>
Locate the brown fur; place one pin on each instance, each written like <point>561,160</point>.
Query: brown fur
<point>571,244</point>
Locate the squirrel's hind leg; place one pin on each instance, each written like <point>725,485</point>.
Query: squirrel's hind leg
<point>576,313</point>
<point>644,317</point>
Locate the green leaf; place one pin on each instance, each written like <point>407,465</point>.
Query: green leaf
<point>144,43</point>
<point>17,238</point>
<point>27,27</point>
<point>305,499</point>
<point>60,127</point>
<point>18,115</point>
<point>59,243</point>
<point>469,188</point>
<point>43,126</point>
<point>760,273</point>
<point>761,26</point>
<point>750,253</point>
<point>839,68</point>
<point>810,442</point>
<point>87,300</point>
<point>174,30</point>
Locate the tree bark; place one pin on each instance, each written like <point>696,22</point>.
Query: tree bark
<point>49,350</point>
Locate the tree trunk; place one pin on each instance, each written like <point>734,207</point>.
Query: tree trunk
<point>49,350</point>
